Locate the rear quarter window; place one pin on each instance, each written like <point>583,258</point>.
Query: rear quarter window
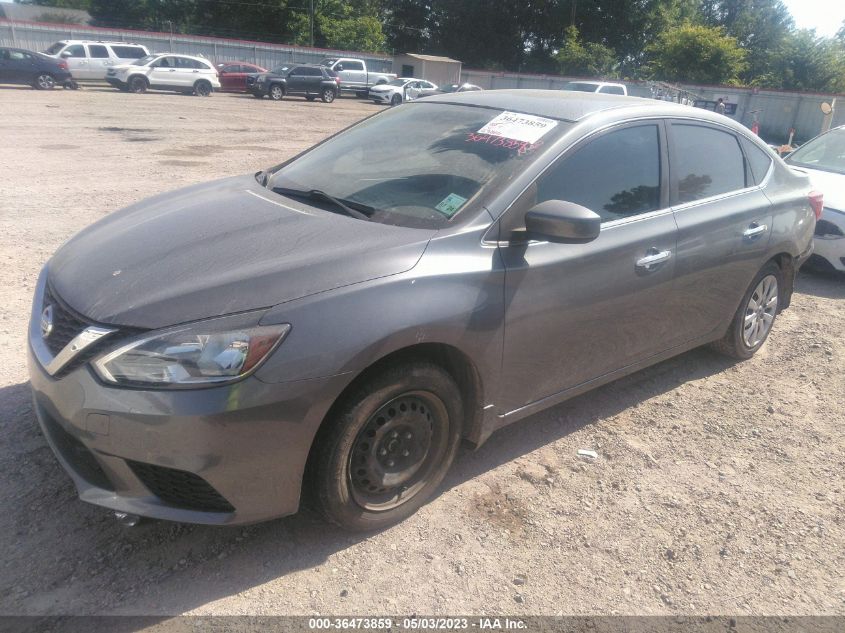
<point>129,52</point>
<point>759,160</point>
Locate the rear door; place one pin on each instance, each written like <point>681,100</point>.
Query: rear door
<point>724,224</point>
<point>579,311</point>
<point>354,73</point>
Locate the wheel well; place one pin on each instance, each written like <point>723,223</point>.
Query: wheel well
<point>451,359</point>
<point>280,85</point>
<point>786,263</point>
<point>132,78</point>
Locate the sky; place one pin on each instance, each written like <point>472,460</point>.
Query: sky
<point>825,16</point>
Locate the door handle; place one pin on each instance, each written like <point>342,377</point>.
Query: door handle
<point>196,71</point>
<point>653,259</point>
<point>754,231</point>
<point>173,70</point>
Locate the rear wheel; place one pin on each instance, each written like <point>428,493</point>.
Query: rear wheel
<point>277,92</point>
<point>202,88</point>
<point>138,85</point>
<point>395,100</point>
<point>387,448</point>
<point>328,95</point>
<point>44,81</point>
<point>755,316</point>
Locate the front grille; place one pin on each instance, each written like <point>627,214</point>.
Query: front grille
<point>67,324</point>
<point>81,460</point>
<point>180,488</point>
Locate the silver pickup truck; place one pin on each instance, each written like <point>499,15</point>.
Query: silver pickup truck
<point>354,76</point>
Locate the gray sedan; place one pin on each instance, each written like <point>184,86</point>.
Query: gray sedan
<point>335,325</point>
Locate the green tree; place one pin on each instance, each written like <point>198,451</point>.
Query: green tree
<point>696,54</point>
<point>584,59</point>
<point>806,62</point>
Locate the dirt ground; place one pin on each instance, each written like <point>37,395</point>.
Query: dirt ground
<point>719,486</point>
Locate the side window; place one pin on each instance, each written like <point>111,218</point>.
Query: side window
<point>615,175</point>
<point>353,66</point>
<point>758,159</point>
<point>299,70</point>
<point>706,162</point>
<point>18,56</point>
<point>164,62</point>
<point>77,50</point>
<point>184,62</point>
<point>98,51</point>
<point>128,52</point>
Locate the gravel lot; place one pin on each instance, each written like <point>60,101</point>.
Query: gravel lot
<point>718,488</point>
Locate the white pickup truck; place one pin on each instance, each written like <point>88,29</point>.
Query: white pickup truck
<point>354,76</point>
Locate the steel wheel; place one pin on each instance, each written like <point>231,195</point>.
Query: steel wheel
<point>760,311</point>
<point>396,451</point>
<point>45,81</point>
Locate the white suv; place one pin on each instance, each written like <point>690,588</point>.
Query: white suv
<point>166,71</point>
<point>87,59</point>
<point>604,87</point>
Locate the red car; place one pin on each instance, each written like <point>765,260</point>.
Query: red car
<point>233,75</point>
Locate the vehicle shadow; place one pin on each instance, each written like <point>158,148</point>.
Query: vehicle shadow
<point>821,284</point>
<point>67,557</point>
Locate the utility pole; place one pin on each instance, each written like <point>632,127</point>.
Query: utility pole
<point>312,23</point>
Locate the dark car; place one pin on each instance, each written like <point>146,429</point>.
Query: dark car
<point>233,75</point>
<point>19,66</point>
<point>338,323</point>
<point>309,80</point>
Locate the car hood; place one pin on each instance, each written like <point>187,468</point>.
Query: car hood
<point>219,248</point>
<point>383,88</point>
<point>830,184</point>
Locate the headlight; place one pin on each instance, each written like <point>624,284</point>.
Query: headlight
<point>260,79</point>
<point>202,354</point>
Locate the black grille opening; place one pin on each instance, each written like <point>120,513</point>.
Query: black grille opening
<point>77,455</point>
<point>67,324</point>
<point>180,488</point>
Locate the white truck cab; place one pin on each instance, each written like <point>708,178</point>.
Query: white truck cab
<point>355,76</point>
<point>604,87</point>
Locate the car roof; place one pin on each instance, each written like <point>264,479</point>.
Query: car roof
<point>557,104</point>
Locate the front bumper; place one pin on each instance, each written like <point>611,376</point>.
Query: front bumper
<point>380,97</point>
<point>116,82</point>
<point>829,239</point>
<point>223,455</point>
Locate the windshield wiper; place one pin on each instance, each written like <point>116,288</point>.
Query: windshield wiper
<point>316,194</point>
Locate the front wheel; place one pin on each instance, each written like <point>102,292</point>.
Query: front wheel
<point>387,448</point>
<point>328,95</point>
<point>395,100</point>
<point>276,92</point>
<point>755,316</point>
<point>45,81</point>
<point>138,85</point>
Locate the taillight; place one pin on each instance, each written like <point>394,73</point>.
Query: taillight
<point>63,65</point>
<point>817,202</point>
<point>337,80</point>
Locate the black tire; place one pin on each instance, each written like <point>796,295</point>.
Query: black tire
<point>44,81</point>
<point>138,84</point>
<point>276,92</point>
<point>328,95</point>
<point>395,100</point>
<point>739,341</point>
<point>408,419</point>
<point>203,88</point>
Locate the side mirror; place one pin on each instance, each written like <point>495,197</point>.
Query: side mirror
<point>65,54</point>
<point>338,67</point>
<point>561,221</point>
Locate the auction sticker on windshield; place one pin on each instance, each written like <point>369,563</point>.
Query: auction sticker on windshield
<point>450,204</point>
<point>521,127</point>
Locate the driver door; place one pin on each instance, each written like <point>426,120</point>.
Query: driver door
<point>576,312</point>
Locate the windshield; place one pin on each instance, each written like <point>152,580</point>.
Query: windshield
<point>281,70</point>
<point>55,48</point>
<point>398,82</point>
<point>327,62</point>
<point>825,152</point>
<point>578,86</point>
<point>420,165</point>
<point>144,60</point>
